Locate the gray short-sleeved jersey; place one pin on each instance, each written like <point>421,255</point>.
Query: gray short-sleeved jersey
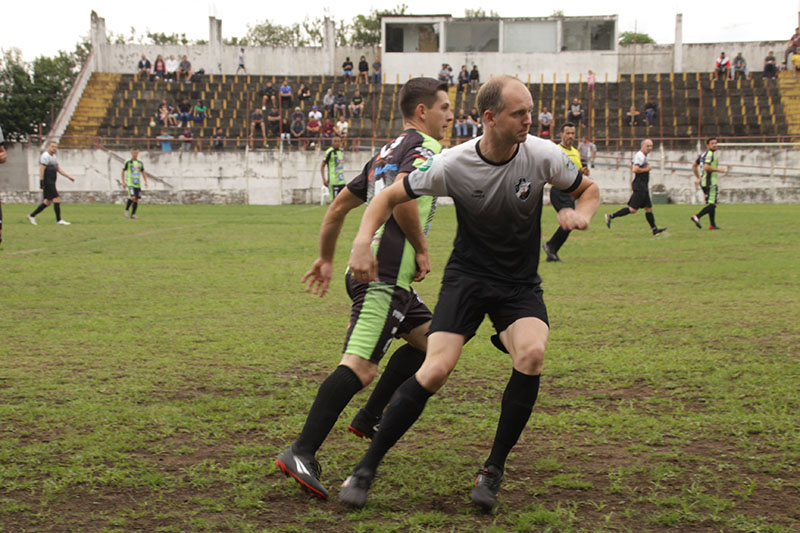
<point>498,205</point>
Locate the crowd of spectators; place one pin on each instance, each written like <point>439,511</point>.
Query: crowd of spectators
<point>169,70</point>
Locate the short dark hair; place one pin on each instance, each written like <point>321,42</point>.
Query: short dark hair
<point>490,95</point>
<point>567,125</point>
<point>710,139</point>
<point>419,91</point>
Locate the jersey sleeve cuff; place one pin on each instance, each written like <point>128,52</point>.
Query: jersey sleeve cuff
<point>407,186</point>
<point>576,183</point>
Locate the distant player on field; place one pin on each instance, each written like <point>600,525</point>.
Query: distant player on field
<point>709,168</point>
<point>334,164</point>
<point>387,307</point>
<point>132,175</point>
<point>641,190</point>
<point>48,173</point>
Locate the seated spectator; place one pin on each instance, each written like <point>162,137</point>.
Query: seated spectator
<point>326,131</point>
<point>298,131</point>
<point>576,114</point>
<point>463,78</point>
<point>591,80</point>
<point>341,127</point>
<point>159,67</point>
<point>313,130</point>
<point>303,93</point>
<point>185,112</point>
<point>219,140</point>
<point>285,130</point>
<point>461,122</point>
<point>340,103</point>
<point>357,104</point>
<point>257,121</point>
<point>545,124</point>
<point>327,102</point>
<point>296,114</point>
<point>172,68</point>
<point>187,137</point>
<point>166,114</point>
<point>474,79</point>
<point>363,70</point>
<point>268,96</point>
<point>347,70</point>
<point>144,67</point>
<point>633,116</point>
<point>770,66</point>
<point>650,110</point>
<point>185,69</point>
<point>442,76</point>
<point>377,73</point>
<point>315,113</point>
<point>200,112</point>
<point>446,74</point>
<point>723,66</point>
<point>791,48</point>
<point>474,121</point>
<point>740,66</point>
<point>285,92</point>
<point>274,120</point>
<point>164,139</point>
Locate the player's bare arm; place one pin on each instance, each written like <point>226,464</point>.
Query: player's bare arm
<point>363,264</point>
<point>587,200</point>
<point>322,171</point>
<point>319,276</point>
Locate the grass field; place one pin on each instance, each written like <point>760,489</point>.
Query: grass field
<point>151,371</point>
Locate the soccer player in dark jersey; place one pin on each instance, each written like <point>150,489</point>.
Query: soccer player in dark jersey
<point>496,182</point>
<point>48,172</point>
<point>132,175</point>
<point>641,192</point>
<point>387,306</point>
<point>559,199</point>
<point>708,181</point>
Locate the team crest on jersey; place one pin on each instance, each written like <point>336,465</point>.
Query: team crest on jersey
<point>426,165</point>
<point>570,164</point>
<point>523,189</point>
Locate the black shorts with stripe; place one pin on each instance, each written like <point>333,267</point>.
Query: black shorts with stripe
<point>49,189</point>
<point>135,192</point>
<point>640,199</point>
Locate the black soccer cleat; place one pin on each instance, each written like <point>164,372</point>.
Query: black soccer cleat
<point>355,488</point>
<point>696,221</point>
<point>551,255</point>
<point>484,494</point>
<point>608,220</point>
<point>303,469</point>
<point>656,231</point>
<point>364,425</point>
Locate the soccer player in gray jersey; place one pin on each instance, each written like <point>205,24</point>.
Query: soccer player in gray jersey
<point>48,172</point>
<point>640,196</point>
<point>496,182</point>
<point>387,307</point>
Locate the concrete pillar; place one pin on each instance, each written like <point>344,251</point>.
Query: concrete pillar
<point>677,48</point>
<point>215,45</point>
<point>99,42</point>
<point>329,46</point>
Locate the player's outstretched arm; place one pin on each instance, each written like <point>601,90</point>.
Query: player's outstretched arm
<point>407,217</point>
<point>587,200</point>
<point>363,265</point>
<point>319,277</point>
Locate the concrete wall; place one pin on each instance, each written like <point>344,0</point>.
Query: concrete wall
<point>14,173</point>
<point>696,57</point>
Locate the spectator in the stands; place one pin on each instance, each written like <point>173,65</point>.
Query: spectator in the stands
<point>588,151</point>
<point>297,114</point>
<point>463,78</point>
<point>770,65</point>
<point>219,140</point>
<point>274,121</point>
<point>576,114</point>
<point>144,67</point>
<point>164,139</point>
<point>313,128</point>
<point>650,110</point>
<point>377,73</point>
<point>340,103</point>
<point>159,67</point>
<point>347,70</point>
<point>285,92</point>
<point>303,93</point>
<point>298,131</point>
<point>357,104</point>
<point>474,79</point>
<point>341,128</point>
<point>185,112</point>
<point>285,129</point>
<point>327,102</point>
<point>166,114</point>
<point>185,69</point>
<point>591,80</point>
<point>791,48</point>
<point>315,113</point>
<point>474,121</point>
<point>187,137</point>
<point>200,111</point>
<point>326,131</point>
<point>257,121</point>
<point>633,116</point>
<point>723,66</point>
<point>363,70</point>
<point>740,66</point>
<point>172,68</point>
<point>268,96</point>
<point>545,124</point>
<point>461,124</point>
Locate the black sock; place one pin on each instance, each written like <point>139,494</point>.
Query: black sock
<point>518,400</point>
<point>651,219</point>
<point>557,240</point>
<point>621,213</point>
<point>404,409</point>
<point>39,209</point>
<point>57,207</point>
<point>332,397</point>
<point>706,210</point>
<point>712,214</point>
<point>128,205</point>
<point>404,363</point>
<point>135,206</point>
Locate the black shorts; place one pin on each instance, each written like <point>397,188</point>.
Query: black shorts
<point>561,200</point>
<point>335,190</point>
<point>463,302</point>
<point>136,192</point>
<point>640,199</point>
<point>49,189</point>
<point>380,312</point>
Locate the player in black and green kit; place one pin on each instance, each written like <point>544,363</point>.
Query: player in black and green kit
<point>383,309</point>
<point>132,175</point>
<point>708,181</point>
<point>334,164</point>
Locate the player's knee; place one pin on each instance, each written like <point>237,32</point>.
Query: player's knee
<point>631,210</point>
<point>529,358</point>
<point>433,375</point>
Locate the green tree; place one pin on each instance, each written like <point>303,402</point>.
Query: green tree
<point>366,29</point>
<point>480,13</point>
<point>629,37</point>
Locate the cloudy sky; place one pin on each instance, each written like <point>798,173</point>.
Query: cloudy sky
<point>44,27</point>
